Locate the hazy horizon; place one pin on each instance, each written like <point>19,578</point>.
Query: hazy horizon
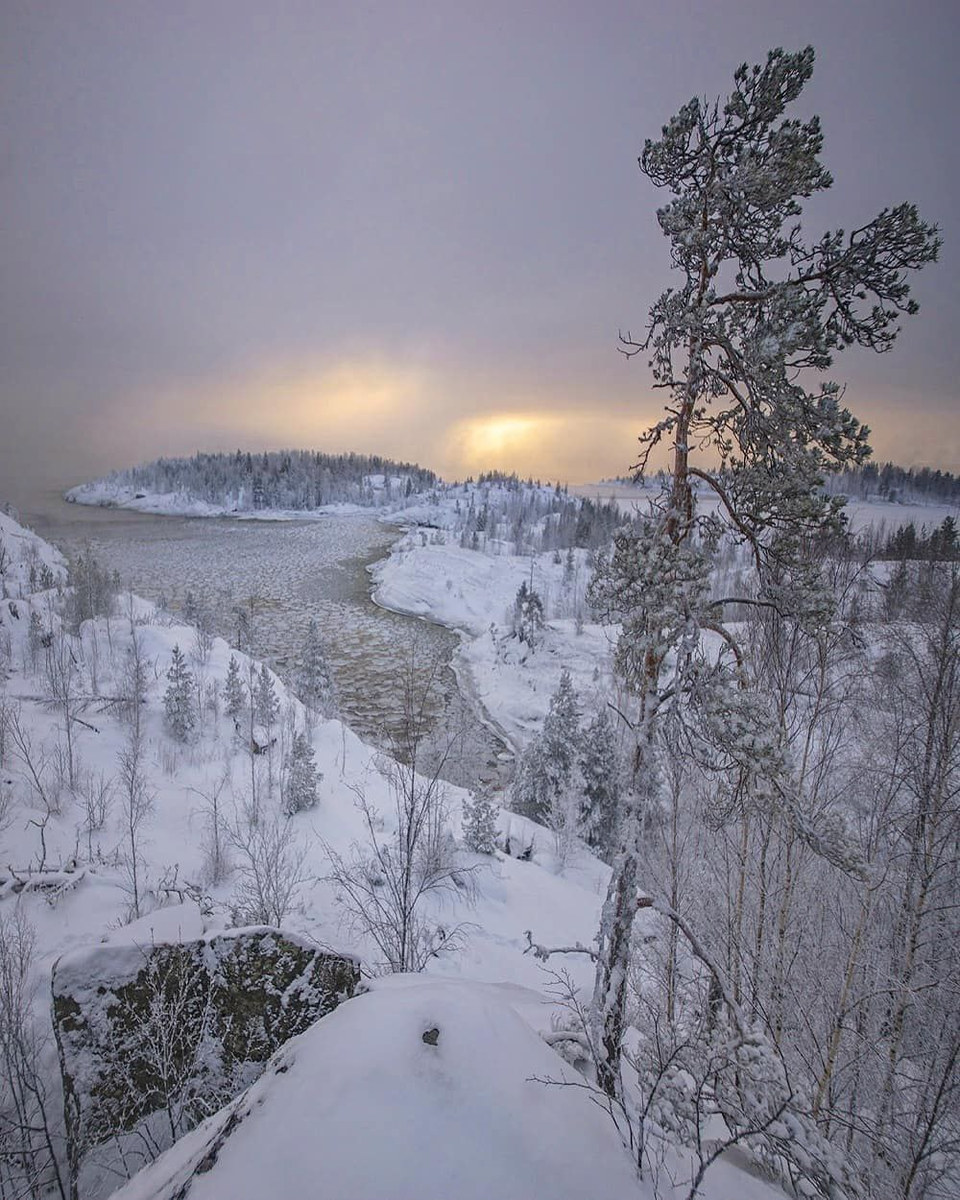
<point>411,230</point>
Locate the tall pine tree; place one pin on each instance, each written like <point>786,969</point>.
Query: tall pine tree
<point>755,313</point>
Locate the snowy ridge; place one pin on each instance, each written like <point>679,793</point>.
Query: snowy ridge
<point>20,550</point>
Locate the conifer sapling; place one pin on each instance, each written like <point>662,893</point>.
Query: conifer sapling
<point>178,703</point>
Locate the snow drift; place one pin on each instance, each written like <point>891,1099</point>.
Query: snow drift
<point>361,1106</point>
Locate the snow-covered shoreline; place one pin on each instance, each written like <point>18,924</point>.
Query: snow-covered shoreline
<point>466,684</point>
<point>471,593</point>
<point>102,494</point>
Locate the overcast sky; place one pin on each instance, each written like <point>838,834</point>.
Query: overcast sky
<point>412,228</point>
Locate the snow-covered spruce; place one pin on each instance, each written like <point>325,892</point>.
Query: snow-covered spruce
<point>178,701</point>
<point>301,780</point>
<point>480,823</point>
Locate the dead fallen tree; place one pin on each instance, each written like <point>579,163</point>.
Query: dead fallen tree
<point>53,884</point>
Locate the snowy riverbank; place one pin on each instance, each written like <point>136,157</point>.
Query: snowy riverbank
<point>472,592</point>
<point>471,588</point>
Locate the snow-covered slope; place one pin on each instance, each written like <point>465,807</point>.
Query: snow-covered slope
<point>511,896</point>
<point>473,593</point>
<point>359,1106</point>
<point>23,557</point>
<point>89,899</point>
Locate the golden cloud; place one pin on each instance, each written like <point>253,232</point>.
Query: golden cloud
<point>556,445</point>
<point>401,409</point>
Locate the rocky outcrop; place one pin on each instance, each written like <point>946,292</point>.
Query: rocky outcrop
<point>364,1106</point>
<point>172,1031</point>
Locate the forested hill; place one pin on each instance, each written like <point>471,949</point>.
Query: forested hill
<point>886,480</point>
<point>281,479</point>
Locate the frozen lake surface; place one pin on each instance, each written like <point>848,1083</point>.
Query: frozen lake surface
<point>287,572</point>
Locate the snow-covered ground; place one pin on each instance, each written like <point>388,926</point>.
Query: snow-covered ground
<point>473,593</point>
<point>470,1125</point>
<point>359,1106</point>
<point>179,774</point>
<point>324,1119</point>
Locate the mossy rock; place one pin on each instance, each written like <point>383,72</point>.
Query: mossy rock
<point>181,1028</point>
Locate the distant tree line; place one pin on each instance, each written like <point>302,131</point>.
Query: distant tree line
<point>890,482</point>
<point>294,479</point>
<point>939,545</point>
<point>885,480</point>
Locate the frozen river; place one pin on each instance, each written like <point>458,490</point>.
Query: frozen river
<point>286,572</point>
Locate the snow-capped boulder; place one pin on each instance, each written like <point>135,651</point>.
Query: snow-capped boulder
<point>421,1089</point>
